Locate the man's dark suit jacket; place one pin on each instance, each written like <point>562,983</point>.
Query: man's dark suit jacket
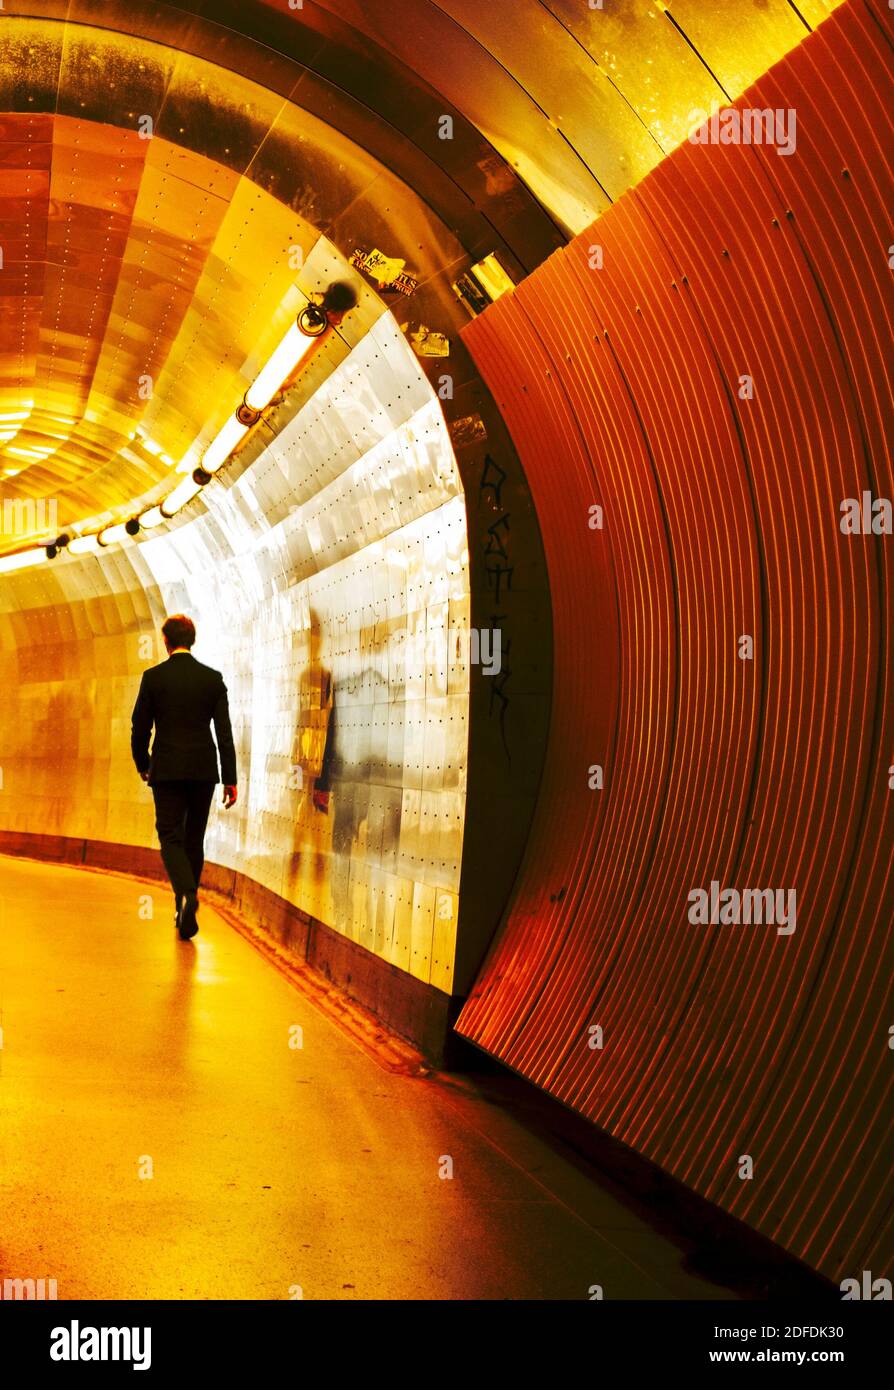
<point>182,698</point>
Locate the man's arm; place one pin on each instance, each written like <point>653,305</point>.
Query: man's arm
<point>323,784</point>
<point>141,722</point>
<point>224,735</point>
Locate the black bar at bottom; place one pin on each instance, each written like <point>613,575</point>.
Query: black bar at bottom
<point>377,1340</point>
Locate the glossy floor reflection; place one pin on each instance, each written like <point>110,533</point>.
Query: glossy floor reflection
<point>127,1052</point>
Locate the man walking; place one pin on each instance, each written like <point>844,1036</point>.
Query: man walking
<point>182,698</point>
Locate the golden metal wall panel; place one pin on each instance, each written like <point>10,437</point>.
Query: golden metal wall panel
<point>574,84</point>
<point>226,116</point>
<point>30,66</point>
<point>740,39</point>
<point>815,11</point>
<point>492,99</point>
<point>416,234</point>
<point>582,102</point>
<point>237,316</point>
<point>258,314</point>
<point>109,77</point>
<point>381,114</point>
<point>644,54</point>
<point>310,168</point>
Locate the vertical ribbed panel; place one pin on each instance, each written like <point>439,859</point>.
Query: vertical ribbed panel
<point>621,387</point>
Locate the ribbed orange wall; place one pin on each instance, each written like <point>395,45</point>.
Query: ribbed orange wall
<point>620,386</point>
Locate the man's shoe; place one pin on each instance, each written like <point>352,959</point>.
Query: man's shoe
<point>186,918</point>
<point>178,902</point>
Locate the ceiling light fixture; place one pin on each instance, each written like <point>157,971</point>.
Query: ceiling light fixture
<point>84,545</point>
<point>187,490</point>
<point>112,535</point>
<point>220,448</point>
<point>153,517</point>
<point>310,325</point>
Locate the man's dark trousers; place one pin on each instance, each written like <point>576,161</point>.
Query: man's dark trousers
<point>181,815</point>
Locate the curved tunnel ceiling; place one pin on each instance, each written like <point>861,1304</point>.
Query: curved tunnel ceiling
<point>133,311</point>
<point>147,282</point>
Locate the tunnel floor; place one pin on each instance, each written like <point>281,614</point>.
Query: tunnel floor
<point>266,1168</point>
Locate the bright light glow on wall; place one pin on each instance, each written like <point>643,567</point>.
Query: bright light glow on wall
<point>29,453</point>
<point>492,277</point>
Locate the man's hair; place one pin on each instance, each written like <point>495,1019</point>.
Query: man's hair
<point>179,631</point>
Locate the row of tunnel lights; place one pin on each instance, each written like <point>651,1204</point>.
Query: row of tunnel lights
<point>310,325</point>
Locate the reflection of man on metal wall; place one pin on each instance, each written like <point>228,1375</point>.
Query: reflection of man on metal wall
<point>323,783</point>
<point>349,766</point>
<point>313,764</point>
<point>315,735</point>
